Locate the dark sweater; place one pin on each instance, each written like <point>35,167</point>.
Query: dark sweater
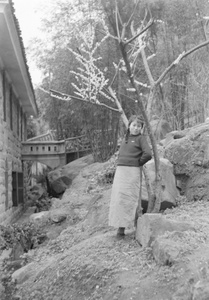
<point>136,152</point>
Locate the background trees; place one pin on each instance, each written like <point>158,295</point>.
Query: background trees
<point>148,39</point>
<point>181,98</point>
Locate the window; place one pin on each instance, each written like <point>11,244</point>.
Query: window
<point>6,185</point>
<point>14,189</point>
<point>11,108</point>
<point>17,188</point>
<point>25,127</point>
<point>4,96</point>
<point>20,180</point>
<point>18,119</point>
<point>21,124</point>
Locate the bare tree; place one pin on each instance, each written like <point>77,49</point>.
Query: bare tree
<point>94,84</point>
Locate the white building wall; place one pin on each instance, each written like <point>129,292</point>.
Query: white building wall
<point>10,161</point>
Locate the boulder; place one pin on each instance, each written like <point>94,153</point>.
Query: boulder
<point>169,190</point>
<point>150,226</point>
<point>23,274</point>
<point>58,216</point>
<point>72,169</point>
<point>59,185</point>
<point>160,128</point>
<point>60,179</point>
<point>188,151</point>
<point>40,218</point>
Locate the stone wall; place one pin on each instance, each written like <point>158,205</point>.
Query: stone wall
<point>10,155</point>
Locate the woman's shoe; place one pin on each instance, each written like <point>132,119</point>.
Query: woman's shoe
<point>121,232</point>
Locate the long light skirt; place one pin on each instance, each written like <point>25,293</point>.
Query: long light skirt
<point>124,196</point>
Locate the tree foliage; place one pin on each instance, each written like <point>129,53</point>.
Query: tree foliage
<point>178,25</point>
<point>149,38</point>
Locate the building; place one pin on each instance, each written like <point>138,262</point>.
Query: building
<point>17,104</point>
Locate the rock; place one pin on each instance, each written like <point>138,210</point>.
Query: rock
<point>160,128</point>
<point>23,274</point>
<point>188,151</point>
<point>166,251</point>
<point>150,226</point>
<point>40,218</point>
<point>169,189</point>
<point>55,203</point>
<point>59,185</point>
<point>60,179</point>
<point>58,216</point>
<point>73,168</point>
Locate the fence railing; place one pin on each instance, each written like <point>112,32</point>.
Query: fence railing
<point>75,144</point>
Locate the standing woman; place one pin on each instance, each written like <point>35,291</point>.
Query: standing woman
<point>134,152</point>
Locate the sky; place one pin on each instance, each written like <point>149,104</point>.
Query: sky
<point>28,17</point>
<point>29,13</point>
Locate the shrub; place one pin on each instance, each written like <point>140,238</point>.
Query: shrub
<point>27,234</point>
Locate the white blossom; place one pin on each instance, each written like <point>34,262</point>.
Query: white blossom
<point>91,81</point>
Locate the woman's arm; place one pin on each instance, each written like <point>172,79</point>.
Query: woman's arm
<point>146,151</point>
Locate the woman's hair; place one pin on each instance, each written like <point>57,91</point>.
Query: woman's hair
<point>132,119</point>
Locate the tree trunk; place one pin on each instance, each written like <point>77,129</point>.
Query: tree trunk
<point>157,188</point>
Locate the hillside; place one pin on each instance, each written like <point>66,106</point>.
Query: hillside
<point>84,259</point>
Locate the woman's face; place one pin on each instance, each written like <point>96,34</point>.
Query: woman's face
<point>135,127</point>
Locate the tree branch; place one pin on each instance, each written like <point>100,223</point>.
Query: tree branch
<point>141,32</point>
<point>116,72</point>
<point>131,16</point>
<point>120,109</point>
<point>147,68</point>
<point>179,58</point>
<point>66,97</point>
<point>116,20</point>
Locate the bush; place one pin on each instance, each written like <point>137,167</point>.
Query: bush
<point>27,234</point>
<point>43,204</point>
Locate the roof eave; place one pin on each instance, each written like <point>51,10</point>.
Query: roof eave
<point>14,59</point>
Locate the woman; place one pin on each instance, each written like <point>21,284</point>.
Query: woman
<point>134,152</point>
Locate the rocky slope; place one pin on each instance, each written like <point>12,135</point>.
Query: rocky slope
<point>83,259</point>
